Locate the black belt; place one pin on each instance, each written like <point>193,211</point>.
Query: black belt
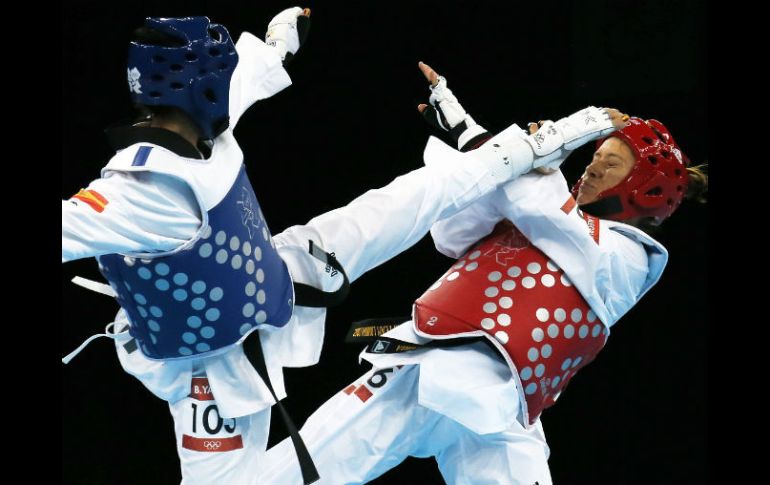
<point>370,332</point>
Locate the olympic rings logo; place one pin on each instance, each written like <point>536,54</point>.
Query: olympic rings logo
<point>212,445</point>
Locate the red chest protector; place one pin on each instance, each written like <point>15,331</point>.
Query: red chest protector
<point>507,290</point>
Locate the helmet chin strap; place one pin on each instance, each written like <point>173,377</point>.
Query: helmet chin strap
<point>604,208</point>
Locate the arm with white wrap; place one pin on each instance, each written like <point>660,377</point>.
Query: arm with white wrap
<point>260,72</point>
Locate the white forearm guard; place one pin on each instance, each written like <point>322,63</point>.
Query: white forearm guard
<point>282,31</point>
<point>512,152</point>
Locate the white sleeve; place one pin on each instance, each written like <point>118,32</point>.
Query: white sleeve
<point>455,234</point>
<point>258,75</point>
<point>139,212</point>
<point>610,274</point>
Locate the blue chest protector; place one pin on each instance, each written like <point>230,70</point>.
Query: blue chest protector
<point>212,294</point>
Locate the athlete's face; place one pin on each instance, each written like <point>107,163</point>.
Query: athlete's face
<point>611,164</point>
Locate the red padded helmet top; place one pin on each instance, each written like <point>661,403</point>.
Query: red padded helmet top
<point>658,181</point>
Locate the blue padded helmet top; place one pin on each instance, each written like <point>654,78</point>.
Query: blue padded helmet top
<point>189,69</point>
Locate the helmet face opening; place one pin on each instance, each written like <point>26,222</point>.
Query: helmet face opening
<point>656,184</point>
<point>186,63</point>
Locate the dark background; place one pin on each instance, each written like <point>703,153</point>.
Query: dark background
<point>347,124</point>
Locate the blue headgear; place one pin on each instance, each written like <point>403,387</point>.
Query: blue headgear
<point>192,75</point>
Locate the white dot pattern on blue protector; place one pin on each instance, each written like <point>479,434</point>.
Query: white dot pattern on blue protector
<point>205,251</point>
<point>162,269</point>
<point>162,284</point>
<point>248,310</point>
<point>216,294</point>
<point>198,303</point>
<point>194,321</point>
<point>198,287</point>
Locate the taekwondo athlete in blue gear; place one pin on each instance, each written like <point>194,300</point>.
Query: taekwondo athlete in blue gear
<point>182,68</point>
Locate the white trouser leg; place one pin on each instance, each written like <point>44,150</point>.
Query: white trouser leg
<point>361,432</point>
<point>515,456</point>
<point>381,223</point>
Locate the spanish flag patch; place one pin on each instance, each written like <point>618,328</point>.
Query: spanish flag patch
<point>92,198</point>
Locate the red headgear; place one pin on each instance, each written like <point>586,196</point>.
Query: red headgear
<point>655,186</point>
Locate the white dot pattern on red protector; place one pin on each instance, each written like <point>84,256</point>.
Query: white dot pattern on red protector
<point>528,282</point>
<point>501,336</point>
<point>537,330</point>
<point>514,271</point>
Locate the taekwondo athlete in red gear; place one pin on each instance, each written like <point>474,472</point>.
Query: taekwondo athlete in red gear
<point>537,284</point>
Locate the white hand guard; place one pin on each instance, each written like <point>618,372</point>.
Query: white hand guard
<point>554,142</point>
<point>512,152</point>
<point>449,115</point>
<point>283,33</point>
